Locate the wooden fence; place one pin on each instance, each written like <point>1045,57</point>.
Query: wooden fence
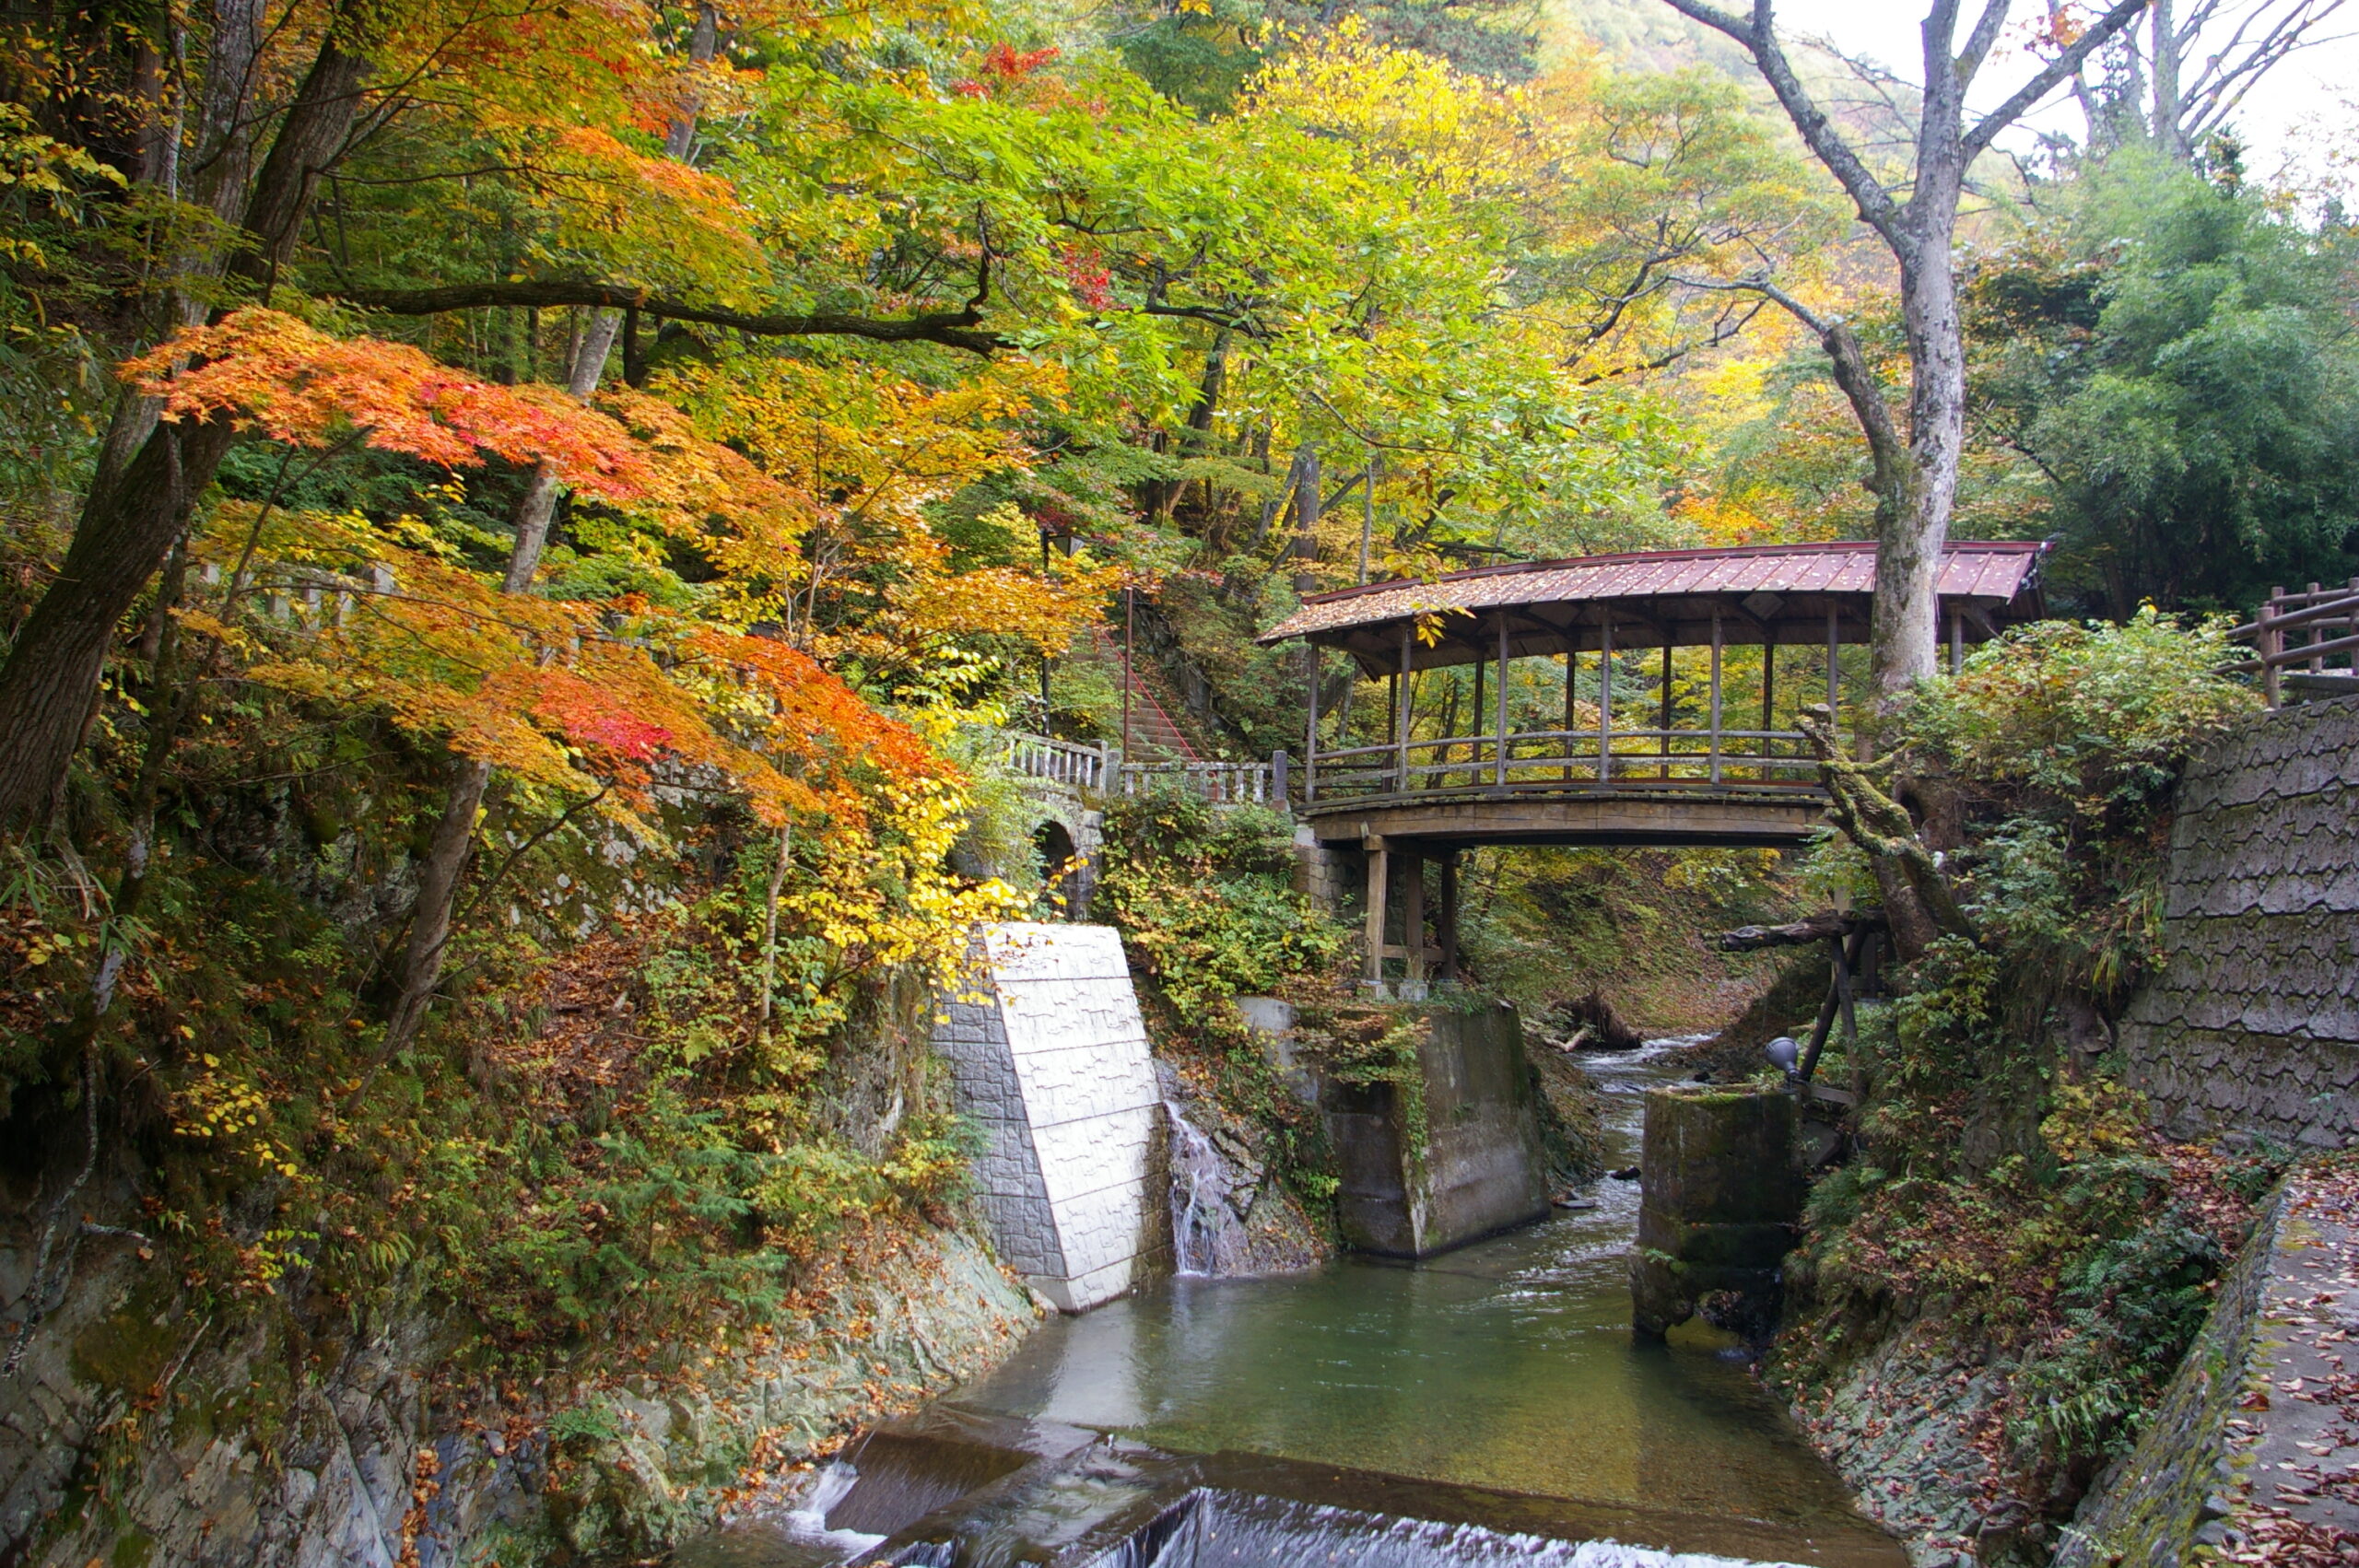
<point>2310,640</point>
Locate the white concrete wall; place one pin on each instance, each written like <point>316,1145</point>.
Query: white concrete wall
<point>1050,1059</point>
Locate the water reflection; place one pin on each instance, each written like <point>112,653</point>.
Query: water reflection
<point>1508,1363</point>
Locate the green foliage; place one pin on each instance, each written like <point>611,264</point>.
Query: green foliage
<point>2174,355</point>
<point>1203,896</point>
<point>2095,719</point>
<point>2006,1191</point>
<point>1543,927</point>
<point>1369,1046</point>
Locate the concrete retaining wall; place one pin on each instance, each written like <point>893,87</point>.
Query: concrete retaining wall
<point>1050,1059</point>
<point>2253,1025</point>
<point>2247,1458</point>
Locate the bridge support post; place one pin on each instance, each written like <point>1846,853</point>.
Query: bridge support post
<point>1446,917</point>
<point>1716,694</point>
<point>1379,873</point>
<point>1412,923</point>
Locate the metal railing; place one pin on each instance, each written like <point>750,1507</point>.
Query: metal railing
<point>2326,623</point>
<point>1540,760</point>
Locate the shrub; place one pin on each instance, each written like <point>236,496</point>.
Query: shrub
<point>2094,717</point>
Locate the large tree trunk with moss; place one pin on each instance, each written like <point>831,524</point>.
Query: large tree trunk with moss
<point>130,521</point>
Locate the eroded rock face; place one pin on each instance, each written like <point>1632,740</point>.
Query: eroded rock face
<point>1912,1427</point>
<point>1723,1194</point>
<point>135,1434</point>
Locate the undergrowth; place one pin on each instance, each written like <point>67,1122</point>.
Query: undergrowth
<point>2008,1196</point>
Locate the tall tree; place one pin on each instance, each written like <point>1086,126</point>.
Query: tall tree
<point>132,514</point>
<point>1913,467</point>
<point>2175,82</point>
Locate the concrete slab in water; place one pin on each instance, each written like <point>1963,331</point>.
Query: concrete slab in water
<point>1481,1169</point>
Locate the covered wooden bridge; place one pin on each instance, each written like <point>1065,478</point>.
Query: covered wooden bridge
<point>1635,750</point>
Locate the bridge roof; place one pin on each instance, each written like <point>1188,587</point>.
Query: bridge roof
<point>1653,597</point>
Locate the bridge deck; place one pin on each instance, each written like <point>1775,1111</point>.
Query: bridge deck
<point>1662,813</point>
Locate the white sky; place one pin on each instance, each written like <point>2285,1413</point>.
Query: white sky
<point>2302,112</point>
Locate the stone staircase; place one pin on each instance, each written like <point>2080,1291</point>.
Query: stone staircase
<point>1157,732</point>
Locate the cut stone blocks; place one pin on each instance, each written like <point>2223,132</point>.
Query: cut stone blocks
<point>2252,1023</point>
<point>1050,1055</point>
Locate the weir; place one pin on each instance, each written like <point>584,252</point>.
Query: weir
<point>1486,1407</point>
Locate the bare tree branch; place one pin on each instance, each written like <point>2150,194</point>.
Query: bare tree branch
<point>2066,66</point>
<point>1875,203</point>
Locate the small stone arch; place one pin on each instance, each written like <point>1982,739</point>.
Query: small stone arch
<point>1053,848</point>
<point>1065,837</point>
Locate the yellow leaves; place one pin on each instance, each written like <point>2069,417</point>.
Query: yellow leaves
<point>654,215</point>
<point>2093,1118</point>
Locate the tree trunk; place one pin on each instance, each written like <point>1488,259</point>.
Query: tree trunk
<point>446,855</point>
<point>2164,126</point>
<point>538,504</point>
<point>1916,521</point>
<point>437,887</point>
<point>681,133</point>
<point>129,521</point>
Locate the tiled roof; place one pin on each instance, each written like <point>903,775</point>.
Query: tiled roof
<point>1988,574</point>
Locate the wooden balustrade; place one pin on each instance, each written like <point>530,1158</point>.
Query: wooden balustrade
<point>1545,759</point>
<point>2330,661</point>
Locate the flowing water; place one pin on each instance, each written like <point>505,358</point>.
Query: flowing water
<point>1207,1239</point>
<point>1506,1366</point>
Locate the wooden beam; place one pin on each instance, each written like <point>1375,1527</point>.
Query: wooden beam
<point>1716,694</point>
<point>1413,912</point>
<point>1605,702</point>
<point>1406,695</point>
<point>1500,777</point>
<point>1446,916</point>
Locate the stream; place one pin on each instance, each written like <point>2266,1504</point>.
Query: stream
<point>1505,1369</point>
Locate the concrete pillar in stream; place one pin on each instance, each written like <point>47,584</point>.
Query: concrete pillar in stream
<point>1451,1159</point>
<point>1721,1195</point>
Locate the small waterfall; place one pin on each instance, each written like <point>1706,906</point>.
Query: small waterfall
<point>1207,1237</point>
<point>807,1521</point>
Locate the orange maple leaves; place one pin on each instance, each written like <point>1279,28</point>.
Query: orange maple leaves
<point>266,370</point>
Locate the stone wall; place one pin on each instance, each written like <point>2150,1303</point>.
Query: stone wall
<point>2248,1454</point>
<point>1050,1058</point>
<point>1334,880</point>
<point>2253,1024</point>
<point>137,1434</point>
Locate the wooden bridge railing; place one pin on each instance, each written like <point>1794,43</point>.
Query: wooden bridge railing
<point>1539,759</point>
<point>2314,633</point>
